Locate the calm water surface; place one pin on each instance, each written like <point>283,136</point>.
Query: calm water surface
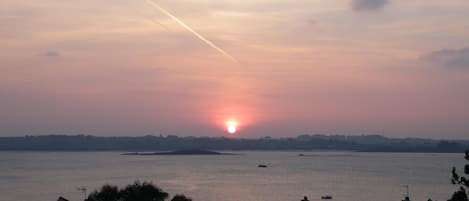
<point>348,176</point>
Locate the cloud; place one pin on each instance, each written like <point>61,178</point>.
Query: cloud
<point>367,5</point>
<point>449,57</point>
<point>51,54</point>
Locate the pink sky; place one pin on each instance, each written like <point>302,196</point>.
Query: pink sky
<point>391,67</point>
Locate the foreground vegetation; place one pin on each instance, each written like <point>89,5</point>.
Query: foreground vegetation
<point>138,191</point>
<point>462,181</point>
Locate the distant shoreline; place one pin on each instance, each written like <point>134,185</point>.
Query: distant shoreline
<point>359,143</point>
<point>178,152</point>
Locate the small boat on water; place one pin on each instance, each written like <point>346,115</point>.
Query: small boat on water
<point>262,166</point>
<point>326,197</point>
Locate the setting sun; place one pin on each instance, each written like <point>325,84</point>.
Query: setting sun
<point>231,127</point>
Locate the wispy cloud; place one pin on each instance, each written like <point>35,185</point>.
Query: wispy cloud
<point>450,57</point>
<point>188,28</point>
<point>367,5</point>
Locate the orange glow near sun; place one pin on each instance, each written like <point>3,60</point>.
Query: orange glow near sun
<point>233,119</point>
<point>232,126</point>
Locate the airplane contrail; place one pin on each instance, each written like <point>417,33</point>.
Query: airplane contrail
<point>155,5</point>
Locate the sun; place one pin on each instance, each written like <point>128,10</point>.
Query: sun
<point>231,129</point>
<point>232,126</point>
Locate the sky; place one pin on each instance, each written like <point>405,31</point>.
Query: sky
<point>398,68</point>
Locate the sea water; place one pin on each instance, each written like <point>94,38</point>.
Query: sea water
<point>347,176</point>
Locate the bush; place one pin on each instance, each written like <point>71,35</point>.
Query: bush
<point>181,198</point>
<point>463,183</point>
<point>142,192</point>
<point>107,193</point>
<point>138,191</point>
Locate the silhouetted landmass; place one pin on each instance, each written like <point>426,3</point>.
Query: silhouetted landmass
<point>368,143</point>
<point>179,152</point>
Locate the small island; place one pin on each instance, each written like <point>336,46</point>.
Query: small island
<point>179,152</point>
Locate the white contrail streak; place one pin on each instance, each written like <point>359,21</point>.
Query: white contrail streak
<point>155,5</point>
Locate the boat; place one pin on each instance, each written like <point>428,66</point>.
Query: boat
<point>326,197</point>
<point>262,166</point>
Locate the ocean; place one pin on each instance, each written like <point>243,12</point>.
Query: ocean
<point>347,176</point>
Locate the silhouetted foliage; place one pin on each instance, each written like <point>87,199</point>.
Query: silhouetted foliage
<point>463,183</point>
<point>460,195</point>
<point>107,193</point>
<point>138,191</point>
<point>62,199</point>
<point>142,192</point>
<point>181,198</point>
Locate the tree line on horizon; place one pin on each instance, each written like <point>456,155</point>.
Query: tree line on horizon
<point>370,143</point>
